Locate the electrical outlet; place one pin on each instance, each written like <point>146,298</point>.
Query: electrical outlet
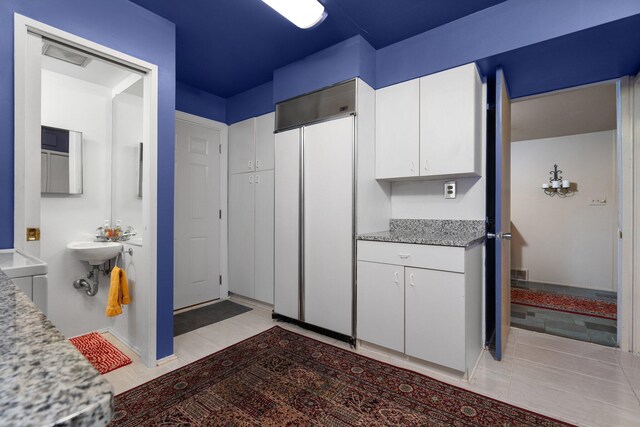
<point>450,190</point>
<point>598,201</point>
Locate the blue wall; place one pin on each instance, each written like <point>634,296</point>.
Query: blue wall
<point>507,26</point>
<point>252,103</point>
<point>126,27</point>
<point>351,58</point>
<point>200,103</point>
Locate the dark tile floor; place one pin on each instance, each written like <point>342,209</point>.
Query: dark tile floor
<point>568,325</point>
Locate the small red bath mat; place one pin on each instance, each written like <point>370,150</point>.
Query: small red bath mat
<point>103,355</point>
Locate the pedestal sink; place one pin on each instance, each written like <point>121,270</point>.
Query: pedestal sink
<point>95,253</point>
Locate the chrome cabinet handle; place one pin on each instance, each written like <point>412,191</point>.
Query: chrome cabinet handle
<point>413,167</point>
<point>257,179</point>
<point>411,282</point>
<point>250,179</point>
<point>250,164</point>
<point>426,165</point>
<point>404,256</point>
<point>397,277</point>
<point>257,164</point>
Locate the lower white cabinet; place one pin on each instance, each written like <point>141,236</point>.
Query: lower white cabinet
<point>380,317</point>
<point>251,210</point>
<point>435,316</point>
<point>415,306</point>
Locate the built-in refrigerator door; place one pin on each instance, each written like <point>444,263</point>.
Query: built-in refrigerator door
<point>328,200</point>
<point>287,224</point>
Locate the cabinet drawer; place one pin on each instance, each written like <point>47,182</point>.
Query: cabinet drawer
<point>444,258</point>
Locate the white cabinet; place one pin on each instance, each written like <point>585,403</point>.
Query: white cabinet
<point>251,208</point>
<point>241,234</point>
<point>435,316</point>
<point>263,254</point>
<point>451,123</point>
<point>398,130</point>
<point>251,144</point>
<point>425,301</point>
<point>430,127</point>
<point>381,304</point>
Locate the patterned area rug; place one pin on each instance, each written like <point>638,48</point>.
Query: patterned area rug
<point>280,378</point>
<point>566,303</point>
<point>103,355</point>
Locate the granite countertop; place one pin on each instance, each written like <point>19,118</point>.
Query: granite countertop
<point>459,233</point>
<point>44,380</point>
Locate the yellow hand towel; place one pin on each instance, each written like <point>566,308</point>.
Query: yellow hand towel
<point>118,292</point>
<point>124,288</point>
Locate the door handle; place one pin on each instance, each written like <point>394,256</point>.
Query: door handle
<point>498,236</point>
<point>506,236</point>
<point>397,277</point>
<point>411,282</point>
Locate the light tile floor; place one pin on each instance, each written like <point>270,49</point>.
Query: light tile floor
<point>573,381</point>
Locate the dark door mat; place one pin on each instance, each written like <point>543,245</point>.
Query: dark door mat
<point>194,319</point>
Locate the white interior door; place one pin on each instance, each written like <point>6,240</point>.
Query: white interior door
<point>328,225</point>
<point>197,201</point>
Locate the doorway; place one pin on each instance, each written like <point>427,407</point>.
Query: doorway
<point>199,194</point>
<point>40,100</point>
<point>564,214</point>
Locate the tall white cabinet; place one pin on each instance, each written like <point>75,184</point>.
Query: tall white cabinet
<point>251,207</point>
<point>430,127</point>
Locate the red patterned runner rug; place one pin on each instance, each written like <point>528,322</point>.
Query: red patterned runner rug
<point>567,303</point>
<point>280,378</point>
<point>103,355</point>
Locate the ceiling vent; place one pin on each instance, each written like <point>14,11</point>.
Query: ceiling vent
<point>65,54</point>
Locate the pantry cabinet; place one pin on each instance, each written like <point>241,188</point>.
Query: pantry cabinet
<point>251,208</point>
<point>251,144</point>
<point>430,127</point>
<point>422,300</point>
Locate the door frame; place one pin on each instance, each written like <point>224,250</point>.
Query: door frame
<point>224,204</point>
<point>25,107</point>
<point>628,190</point>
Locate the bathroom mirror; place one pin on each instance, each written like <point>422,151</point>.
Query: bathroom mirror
<point>61,161</point>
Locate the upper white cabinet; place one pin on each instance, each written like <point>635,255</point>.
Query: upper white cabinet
<point>451,123</point>
<point>398,130</point>
<point>430,127</point>
<point>251,144</point>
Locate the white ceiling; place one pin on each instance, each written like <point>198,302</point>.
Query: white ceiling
<point>97,71</point>
<point>584,110</point>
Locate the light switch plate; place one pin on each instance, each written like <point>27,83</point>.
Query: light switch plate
<point>450,190</point>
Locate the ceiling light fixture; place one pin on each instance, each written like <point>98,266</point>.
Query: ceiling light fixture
<point>304,14</point>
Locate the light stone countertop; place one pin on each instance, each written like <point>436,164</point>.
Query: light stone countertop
<point>44,379</point>
<point>459,233</point>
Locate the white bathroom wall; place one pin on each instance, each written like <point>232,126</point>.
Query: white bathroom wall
<point>565,241</point>
<point>75,104</point>
<point>127,134</point>
<point>127,207</point>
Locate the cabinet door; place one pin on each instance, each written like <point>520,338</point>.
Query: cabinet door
<point>451,122</point>
<point>435,317</point>
<point>242,146</point>
<point>264,236</point>
<point>381,304</point>
<point>265,140</point>
<point>241,234</point>
<point>25,285</point>
<point>398,130</point>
